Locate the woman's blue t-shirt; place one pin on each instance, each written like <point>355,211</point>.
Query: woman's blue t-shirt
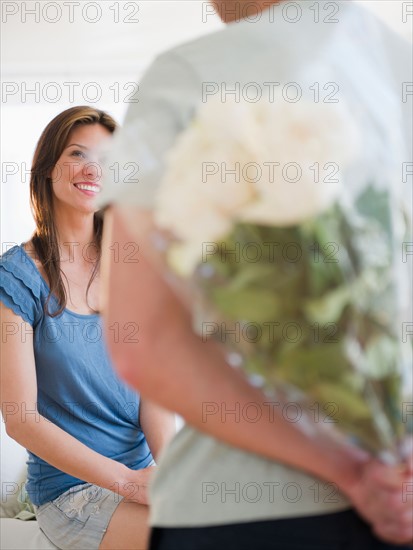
<point>78,388</point>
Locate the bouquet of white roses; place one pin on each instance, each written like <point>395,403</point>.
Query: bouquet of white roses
<point>288,268</point>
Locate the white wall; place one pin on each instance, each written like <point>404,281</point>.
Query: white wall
<point>46,49</point>
<point>74,55</point>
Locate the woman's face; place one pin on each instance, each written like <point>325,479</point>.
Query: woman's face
<point>77,176</point>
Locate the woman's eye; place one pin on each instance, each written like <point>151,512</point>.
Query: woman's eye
<point>76,153</point>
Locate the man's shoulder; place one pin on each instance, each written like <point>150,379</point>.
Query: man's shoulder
<point>204,47</point>
<point>230,45</point>
<point>200,42</point>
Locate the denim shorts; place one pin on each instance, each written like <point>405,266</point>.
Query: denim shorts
<point>79,517</point>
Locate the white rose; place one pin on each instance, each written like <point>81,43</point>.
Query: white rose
<point>298,136</point>
<point>199,207</point>
<point>194,203</point>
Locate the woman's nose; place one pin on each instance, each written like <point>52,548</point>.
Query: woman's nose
<point>92,170</point>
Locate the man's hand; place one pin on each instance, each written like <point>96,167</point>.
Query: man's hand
<point>381,498</point>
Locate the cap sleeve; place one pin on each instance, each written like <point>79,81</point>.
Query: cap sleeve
<point>20,285</point>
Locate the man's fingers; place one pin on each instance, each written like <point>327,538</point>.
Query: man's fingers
<point>387,477</point>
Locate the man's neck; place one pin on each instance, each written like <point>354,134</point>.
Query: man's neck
<point>236,10</point>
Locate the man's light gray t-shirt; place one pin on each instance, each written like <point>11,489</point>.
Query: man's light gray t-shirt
<point>325,51</point>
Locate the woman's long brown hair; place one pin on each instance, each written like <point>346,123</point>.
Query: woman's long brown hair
<point>48,151</point>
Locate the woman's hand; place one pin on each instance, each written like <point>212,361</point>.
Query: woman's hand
<point>383,496</point>
<point>135,487</point>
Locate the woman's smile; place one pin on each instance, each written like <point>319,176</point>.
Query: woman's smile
<point>89,189</point>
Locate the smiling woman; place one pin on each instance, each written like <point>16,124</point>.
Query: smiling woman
<point>90,438</point>
<point>64,180</point>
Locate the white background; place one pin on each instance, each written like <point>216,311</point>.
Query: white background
<point>58,43</point>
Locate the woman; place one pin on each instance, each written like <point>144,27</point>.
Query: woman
<point>91,441</point>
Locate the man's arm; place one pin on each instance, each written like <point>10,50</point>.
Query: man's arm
<point>171,366</point>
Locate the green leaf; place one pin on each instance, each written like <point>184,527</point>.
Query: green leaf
<point>375,204</point>
<point>253,274</point>
<point>351,407</point>
<point>329,308</point>
<point>252,305</point>
<point>306,367</point>
<point>381,357</point>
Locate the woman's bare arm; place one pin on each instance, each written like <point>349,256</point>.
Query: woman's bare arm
<point>33,431</point>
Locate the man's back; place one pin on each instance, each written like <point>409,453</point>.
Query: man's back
<point>293,51</point>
